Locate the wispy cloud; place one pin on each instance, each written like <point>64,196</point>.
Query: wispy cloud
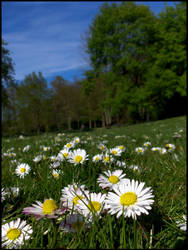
<point>46,36</point>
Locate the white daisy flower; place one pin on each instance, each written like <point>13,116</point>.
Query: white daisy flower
<point>69,145</point>
<point>46,148</point>
<point>38,158</point>
<point>147,144</point>
<point>107,158</point>
<point>56,173</point>
<point>78,156</point>
<point>94,203</point>
<point>15,233</point>
<point>72,196</point>
<point>22,170</point>
<point>182,223</point>
<point>115,151</point>
<point>101,146</point>
<point>135,168</point>
<point>47,209</point>
<point>162,151</point>
<point>155,149</point>
<point>110,179</point>
<point>129,200</point>
<point>170,147</point>
<point>76,140</point>
<point>121,148</point>
<point>97,158</point>
<point>63,154</point>
<point>26,148</point>
<point>53,158</point>
<point>140,150</point>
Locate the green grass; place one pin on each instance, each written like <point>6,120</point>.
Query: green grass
<point>165,174</point>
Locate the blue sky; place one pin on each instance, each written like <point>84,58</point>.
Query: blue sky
<point>47,36</point>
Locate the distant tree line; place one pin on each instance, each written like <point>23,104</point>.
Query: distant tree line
<point>138,73</point>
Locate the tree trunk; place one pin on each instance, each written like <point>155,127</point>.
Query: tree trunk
<point>90,124</point>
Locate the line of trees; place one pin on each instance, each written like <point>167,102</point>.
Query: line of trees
<point>138,73</point>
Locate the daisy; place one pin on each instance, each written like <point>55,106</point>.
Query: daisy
<point>155,149</point>
<point>46,149</point>
<point>72,195</point>
<point>26,148</point>
<point>111,179</point>
<point>15,233</point>
<point>47,209</point>
<point>135,168</point>
<point>122,148</point>
<point>38,158</point>
<point>115,151</point>
<point>101,147</point>
<point>53,158</point>
<point>78,156</point>
<point>182,223</point>
<point>147,144</point>
<point>94,203</point>
<point>56,173</point>
<point>76,140</point>
<point>140,150</point>
<point>107,158</point>
<point>22,170</point>
<point>73,223</point>
<point>162,151</point>
<point>97,158</point>
<point>69,145</point>
<point>129,199</point>
<point>63,154</point>
<point>170,147</point>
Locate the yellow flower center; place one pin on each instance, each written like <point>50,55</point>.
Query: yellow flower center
<point>49,206</point>
<point>75,199</point>
<point>113,179</point>
<point>69,145</point>
<point>107,159</point>
<point>77,140</point>
<point>22,170</point>
<point>65,154</point>
<point>58,139</point>
<point>78,158</point>
<point>94,205</point>
<point>97,158</point>
<point>114,152</point>
<point>13,233</point>
<point>139,150</point>
<point>56,175</point>
<point>121,147</point>
<point>102,147</point>
<point>128,198</point>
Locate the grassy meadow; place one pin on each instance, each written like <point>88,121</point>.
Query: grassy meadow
<point>160,164</point>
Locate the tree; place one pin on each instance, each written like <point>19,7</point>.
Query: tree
<point>30,96</point>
